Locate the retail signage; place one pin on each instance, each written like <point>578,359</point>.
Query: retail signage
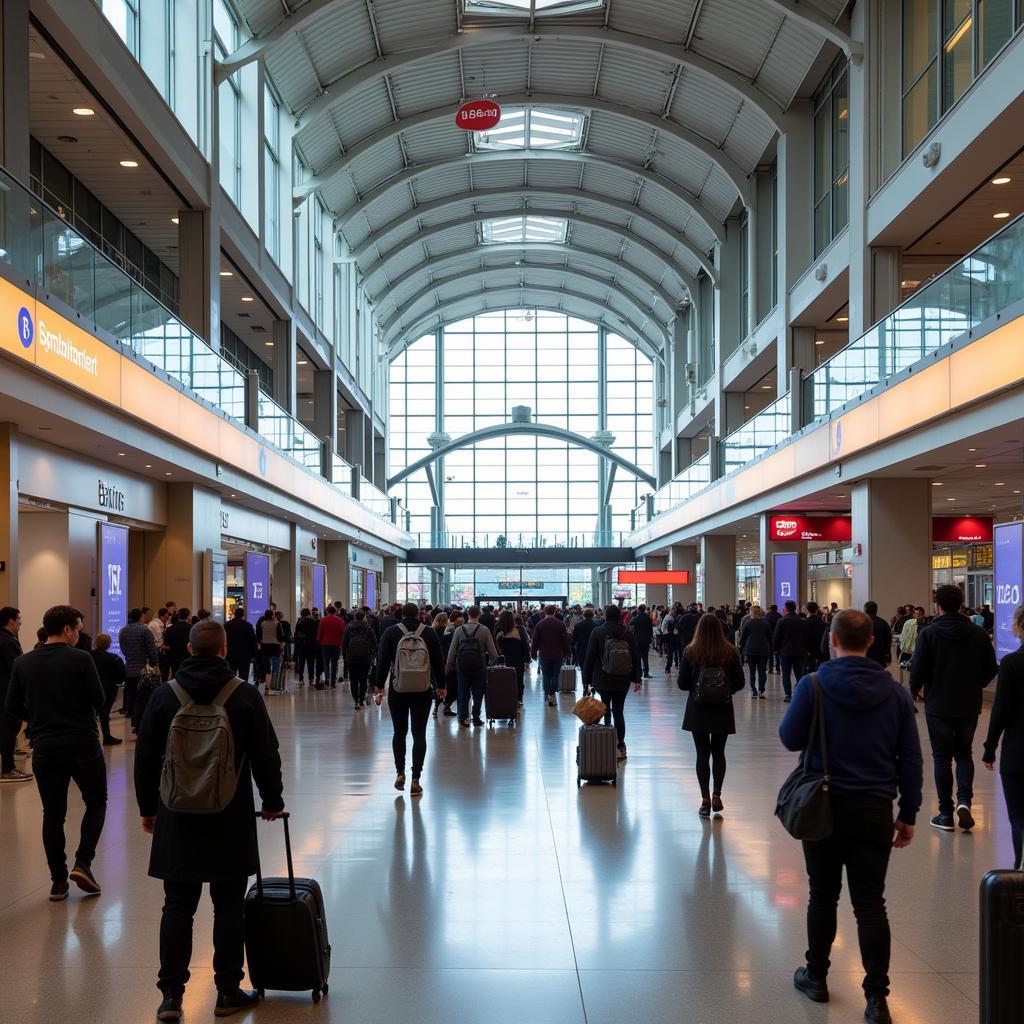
<point>521,585</point>
<point>675,577</point>
<point>319,585</point>
<point>962,529</point>
<point>257,584</point>
<point>786,526</point>
<point>1009,580</point>
<point>478,115</point>
<point>365,559</point>
<point>113,581</point>
<point>786,575</point>
<point>370,596</point>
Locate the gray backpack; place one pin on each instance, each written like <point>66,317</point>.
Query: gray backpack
<point>412,662</point>
<point>198,774</point>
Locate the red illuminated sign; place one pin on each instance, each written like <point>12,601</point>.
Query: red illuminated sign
<point>675,576</point>
<point>478,115</point>
<point>786,526</point>
<point>962,529</point>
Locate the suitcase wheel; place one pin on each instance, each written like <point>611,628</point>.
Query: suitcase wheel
<point>262,993</point>
<point>324,989</point>
<point>316,995</point>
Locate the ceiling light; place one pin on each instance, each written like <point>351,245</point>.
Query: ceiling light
<point>168,473</point>
<point>936,483</point>
<point>1000,216</point>
<point>995,181</point>
<point>951,499</point>
<point>972,449</point>
<point>820,341</point>
<point>247,298</point>
<point>909,284</point>
<point>149,465</point>
<point>226,273</point>
<point>301,362</point>
<point>843,319</point>
<point>234,495</point>
<point>1016,492</point>
<point>88,112</point>
<point>121,453</point>
<point>766,387</point>
<point>980,465</point>
<point>269,344</point>
<point>174,220</point>
<point>999,484</point>
<point>69,140</point>
<point>129,163</point>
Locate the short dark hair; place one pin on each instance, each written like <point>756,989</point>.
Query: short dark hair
<point>853,630</point>
<point>58,617</point>
<point>549,609</point>
<point>949,598</point>
<point>871,607</point>
<point>790,606</point>
<point>588,613</point>
<point>613,613</point>
<point>203,613</point>
<point>473,613</point>
<point>135,614</point>
<point>641,609</point>
<point>239,612</point>
<point>304,614</point>
<point>412,611</point>
<point>206,638</point>
<point>183,614</point>
<point>360,615</point>
<point>8,614</point>
<point>812,606</point>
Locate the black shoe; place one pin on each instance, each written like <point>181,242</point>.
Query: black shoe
<point>877,1011</point>
<point>464,723</point>
<point>59,892</point>
<point>717,805</point>
<point>170,1009</point>
<point>111,741</point>
<point>83,878</point>
<point>786,700</point>
<point>705,809</point>
<point>448,713</point>
<point>761,695</point>
<point>753,695</point>
<point>964,817</point>
<point>943,822</point>
<point>816,991</point>
<point>234,1002</point>
<point>478,721</point>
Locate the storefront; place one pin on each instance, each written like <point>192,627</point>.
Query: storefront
<point>962,555</point>
<point>251,544</point>
<point>365,571</point>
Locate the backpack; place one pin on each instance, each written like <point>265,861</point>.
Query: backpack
<point>712,686</point>
<point>470,655</point>
<point>412,661</point>
<point>198,775</point>
<point>616,657</point>
<point>361,646</point>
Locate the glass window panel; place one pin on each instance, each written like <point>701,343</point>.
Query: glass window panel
<point>920,109</point>
<point>957,56</point>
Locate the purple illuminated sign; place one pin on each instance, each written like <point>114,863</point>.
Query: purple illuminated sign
<point>112,581</point>
<point>257,584</point>
<point>786,576</point>
<point>319,585</point>
<point>1008,547</point>
<point>371,590</point>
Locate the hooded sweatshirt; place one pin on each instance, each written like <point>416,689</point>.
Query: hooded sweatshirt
<point>953,662</point>
<point>873,744</point>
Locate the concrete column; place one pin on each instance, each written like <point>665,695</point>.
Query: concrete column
<point>886,286</point>
<point>861,134</point>
<point>14,123</point>
<point>336,558</point>
<point>718,557</point>
<point>9,514</point>
<point>355,442</point>
<point>657,593</point>
<point>892,532</point>
<point>325,413</point>
<point>389,580</point>
<point>199,272</point>
<point>684,556</point>
<point>285,354</point>
<point>769,548</point>
<point>286,573</point>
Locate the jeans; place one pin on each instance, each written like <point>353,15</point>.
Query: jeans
<point>710,761</point>
<point>549,670</point>
<point>55,768</point>
<point>671,644</point>
<point>403,707</point>
<point>616,701</point>
<point>758,666</point>
<point>951,740</point>
<point>357,681</point>
<point>10,726</point>
<point>471,683</point>
<point>180,902</point>
<point>1013,793</point>
<point>131,687</point>
<point>305,662</point>
<point>792,669</point>
<point>273,665</point>
<point>240,666</point>
<point>644,650</point>
<point>331,654</point>
<point>861,841</point>
<point>110,689</point>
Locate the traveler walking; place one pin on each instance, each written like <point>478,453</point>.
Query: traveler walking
<point>189,847</point>
<point>859,699</point>
<point>269,639</point>
<point>110,669</point>
<point>953,662</point>
<point>581,636</point>
<point>908,635</point>
<point>815,628</point>
<point>643,632</point>
<point>550,646</point>
<point>1007,724</point>
<point>773,618</point>
<point>472,649</point>
<point>670,637</point>
<point>139,649</point>
<point>57,690</point>
<point>514,646</point>
<point>10,723</point>
<point>305,647</point>
<point>789,642</point>
<point>881,641</point>
<point>410,653</point>
<point>176,639</point>
<point>329,635</point>
<point>756,648</point>
<point>241,644</point>
<point>359,647</point>
<point>611,664</point>
<point>710,673</point>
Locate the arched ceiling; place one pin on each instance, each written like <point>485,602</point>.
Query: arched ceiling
<point>681,98</point>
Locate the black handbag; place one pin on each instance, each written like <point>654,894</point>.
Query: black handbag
<point>804,805</point>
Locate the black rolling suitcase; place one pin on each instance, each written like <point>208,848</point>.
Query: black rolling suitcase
<point>501,694</point>
<point>1002,948</point>
<point>286,943</point>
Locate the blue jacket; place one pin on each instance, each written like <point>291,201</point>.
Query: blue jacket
<point>873,744</point>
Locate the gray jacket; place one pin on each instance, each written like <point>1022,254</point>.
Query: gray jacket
<point>138,648</point>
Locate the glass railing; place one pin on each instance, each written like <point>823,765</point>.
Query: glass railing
<point>289,434</point>
<point>761,433</point>
<point>521,541</point>
<point>977,287</point>
<point>694,478</point>
<point>341,475</point>
<point>374,499</point>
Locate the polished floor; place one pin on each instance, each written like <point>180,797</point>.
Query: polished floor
<point>506,895</point>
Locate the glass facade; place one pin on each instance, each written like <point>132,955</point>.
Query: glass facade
<point>831,156</point>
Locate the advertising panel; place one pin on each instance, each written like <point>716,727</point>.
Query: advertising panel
<point>113,581</point>
<point>370,597</point>
<point>1009,577</point>
<point>787,526</point>
<point>257,585</point>
<point>962,529</point>
<point>786,574</point>
<point>677,577</point>
<point>319,585</point>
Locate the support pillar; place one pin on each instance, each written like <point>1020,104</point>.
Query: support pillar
<point>285,355</point>
<point>325,414</point>
<point>336,558</point>
<point>287,577</point>
<point>892,533</point>
<point>684,556</point>
<point>389,581</point>
<point>770,548</point>
<point>355,442</point>
<point>199,275</point>
<point>9,514</point>
<point>657,593</point>
<point>14,91</point>
<point>718,558</point>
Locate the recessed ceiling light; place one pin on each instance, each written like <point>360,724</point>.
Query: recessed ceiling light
<point>1000,484</point>
<point>234,495</point>
<point>269,344</point>
<point>301,362</point>
<point>843,319</point>
<point>1016,492</point>
<point>909,284</point>
<point>149,465</point>
<point>820,341</point>
<point>1000,216</point>
<point>936,483</point>
<point>174,220</point>
<point>951,499</point>
<point>168,473</point>
<point>309,401</point>
<point>972,449</point>
<point>129,163</point>
<point>83,111</point>
<point>247,298</point>
<point>226,273</point>
<point>980,465</point>
<point>766,387</point>
<point>121,453</point>
<point>1004,180</point>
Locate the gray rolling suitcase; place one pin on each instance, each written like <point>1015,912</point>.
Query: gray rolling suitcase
<point>597,755</point>
<point>501,694</point>
<point>567,679</point>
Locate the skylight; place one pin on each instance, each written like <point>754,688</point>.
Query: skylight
<point>525,7</point>
<point>526,228</point>
<point>533,128</point>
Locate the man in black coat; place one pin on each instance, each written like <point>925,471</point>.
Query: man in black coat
<point>880,650</point>
<point>789,643</point>
<point>643,631</point>
<point>241,640</point>
<point>190,849</point>
<point>581,635</point>
<point>10,723</point>
<point>613,689</point>
<point>816,629</point>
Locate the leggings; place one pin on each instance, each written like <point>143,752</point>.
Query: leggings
<point>404,706</point>
<point>358,674</point>
<point>1013,791</point>
<point>710,748</point>
<point>616,701</point>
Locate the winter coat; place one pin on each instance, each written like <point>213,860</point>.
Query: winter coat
<point>881,642</point>
<point>790,637</point>
<point>756,638</point>
<point>953,662</point>
<point>717,718</point>
<point>593,675</point>
<point>138,648</point>
<point>643,629</point>
<point>1007,721</point>
<point>241,640</point>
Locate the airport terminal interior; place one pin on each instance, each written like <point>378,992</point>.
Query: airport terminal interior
<point>637,310</point>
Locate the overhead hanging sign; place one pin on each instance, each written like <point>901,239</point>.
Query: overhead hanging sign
<point>478,115</point>
<point>786,526</point>
<point>962,529</point>
<point>676,577</point>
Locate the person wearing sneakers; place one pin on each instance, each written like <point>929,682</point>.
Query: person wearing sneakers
<point>57,690</point>
<point>550,646</point>
<point>874,758</point>
<point>611,664</point>
<point>472,649</point>
<point>10,723</point>
<point>358,647</point>
<point>410,696</point>
<point>953,662</point>
<point>190,849</point>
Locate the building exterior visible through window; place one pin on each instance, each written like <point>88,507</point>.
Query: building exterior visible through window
<point>831,156</point>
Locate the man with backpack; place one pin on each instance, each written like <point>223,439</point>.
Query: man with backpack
<point>472,650</point>
<point>204,740</point>
<point>611,664</point>
<point>411,653</point>
<point>643,631</point>
<point>358,647</point>
<point>550,645</point>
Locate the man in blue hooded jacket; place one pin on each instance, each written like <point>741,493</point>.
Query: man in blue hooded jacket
<point>874,757</point>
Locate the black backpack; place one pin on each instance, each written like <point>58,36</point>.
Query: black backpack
<point>361,646</point>
<point>617,657</point>
<point>712,686</point>
<point>470,656</point>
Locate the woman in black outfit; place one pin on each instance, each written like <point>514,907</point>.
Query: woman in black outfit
<point>756,647</point>
<point>439,624</point>
<point>710,723</point>
<point>514,645</point>
<point>612,689</point>
<point>1007,723</point>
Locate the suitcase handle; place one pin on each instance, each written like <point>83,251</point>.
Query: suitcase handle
<point>288,852</point>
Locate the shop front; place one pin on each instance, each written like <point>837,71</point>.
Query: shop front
<point>962,555</point>
<point>365,571</point>
<point>251,546</point>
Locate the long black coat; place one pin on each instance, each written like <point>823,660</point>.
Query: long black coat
<point>718,718</point>
<point>593,674</point>
<point>208,847</point>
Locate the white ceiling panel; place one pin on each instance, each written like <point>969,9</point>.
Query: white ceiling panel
<point>438,140</point>
<point>404,26</point>
<point>427,84</point>
<point>736,33</point>
<point>364,113</point>
<point>789,60</point>
<point>636,79</point>
<point>662,19</point>
<point>339,40</point>
<point>495,68</point>
<point>702,104</point>
<point>564,67</point>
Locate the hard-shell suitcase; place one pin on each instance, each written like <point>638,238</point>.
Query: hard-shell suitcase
<point>286,943</point>
<point>567,679</point>
<point>278,678</point>
<point>501,694</point>
<point>1002,947</point>
<point>597,755</point>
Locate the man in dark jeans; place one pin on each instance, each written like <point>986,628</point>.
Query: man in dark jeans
<point>643,630</point>
<point>789,644</point>
<point>859,698</point>
<point>10,724</point>
<point>953,662</point>
<point>190,849</point>
<point>57,690</point>
<point>550,646</point>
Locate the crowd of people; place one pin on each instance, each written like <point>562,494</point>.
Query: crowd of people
<point>832,666</point>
